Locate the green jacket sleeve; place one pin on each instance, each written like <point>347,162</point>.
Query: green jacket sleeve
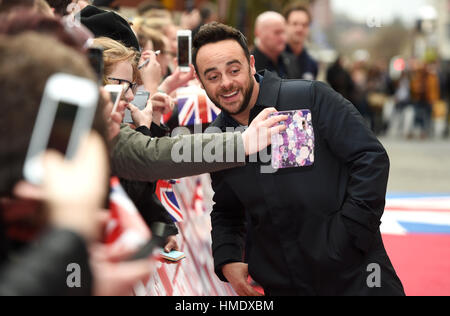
<point>141,158</point>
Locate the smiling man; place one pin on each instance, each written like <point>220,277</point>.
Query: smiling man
<point>310,230</point>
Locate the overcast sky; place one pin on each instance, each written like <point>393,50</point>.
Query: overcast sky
<point>385,10</point>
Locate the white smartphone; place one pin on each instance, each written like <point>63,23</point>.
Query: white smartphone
<point>116,92</point>
<point>184,38</point>
<point>65,115</point>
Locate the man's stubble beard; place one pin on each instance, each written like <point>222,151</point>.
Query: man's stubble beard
<point>245,104</point>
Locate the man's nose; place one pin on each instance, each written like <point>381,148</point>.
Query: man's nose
<point>226,82</point>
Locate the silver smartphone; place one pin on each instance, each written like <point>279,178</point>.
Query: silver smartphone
<point>184,38</point>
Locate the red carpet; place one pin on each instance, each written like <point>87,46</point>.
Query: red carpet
<point>422,262</point>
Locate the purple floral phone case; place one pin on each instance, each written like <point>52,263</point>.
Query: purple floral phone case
<point>295,146</point>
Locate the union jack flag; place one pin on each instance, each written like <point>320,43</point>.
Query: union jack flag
<point>125,228</point>
<point>165,193</point>
<point>194,107</point>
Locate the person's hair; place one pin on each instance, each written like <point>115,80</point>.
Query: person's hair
<point>42,7</point>
<point>113,53</point>
<point>155,23</point>
<point>60,6</point>
<point>148,5</point>
<point>297,6</point>
<point>217,32</point>
<point>8,5</point>
<point>146,35</point>
<point>26,62</point>
<point>23,20</point>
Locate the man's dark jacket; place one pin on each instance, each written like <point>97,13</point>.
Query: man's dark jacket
<point>313,230</point>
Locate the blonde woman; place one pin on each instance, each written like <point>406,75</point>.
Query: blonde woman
<point>121,67</point>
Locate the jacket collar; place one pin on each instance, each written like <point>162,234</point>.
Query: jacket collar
<point>269,89</point>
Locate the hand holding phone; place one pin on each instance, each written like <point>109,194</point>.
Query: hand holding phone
<point>65,115</point>
<point>294,147</point>
<point>140,101</point>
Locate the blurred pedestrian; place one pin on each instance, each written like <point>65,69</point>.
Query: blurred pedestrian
<point>340,80</point>
<point>270,45</point>
<point>425,91</point>
<point>299,19</point>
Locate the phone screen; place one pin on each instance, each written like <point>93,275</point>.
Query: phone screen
<point>96,61</point>
<point>62,127</point>
<point>183,51</point>
<point>140,101</point>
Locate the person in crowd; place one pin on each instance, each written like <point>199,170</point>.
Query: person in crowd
<point>39,6</point>
<point>425,91</point>
<point>270,45</point>
<point>135,157</point>
<point>121,68</point>
<point>60,6</point>
<point>23,19</point>
<point>314,230</point>
<point>8,5</point>
<point>340,80</point>
<point>109,24</point>
<point>299,19</point>
<point>46,228</point>
<point>151,40</point>
<point>359,73</point>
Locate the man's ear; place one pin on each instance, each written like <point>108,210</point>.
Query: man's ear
<point>252,65</point>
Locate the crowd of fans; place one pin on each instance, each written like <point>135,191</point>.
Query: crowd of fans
<point>43,229</point>
<point>46,229</point>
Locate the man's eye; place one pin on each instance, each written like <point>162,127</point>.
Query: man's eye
<point>213,78</point>
<point>235,71</point>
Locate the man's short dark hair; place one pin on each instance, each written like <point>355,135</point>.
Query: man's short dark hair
<point>60,6</point>
<point>297,6</point>
<point>217,32</point>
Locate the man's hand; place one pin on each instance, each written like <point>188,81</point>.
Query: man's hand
<point>237,275</point>
<point>259,134</point>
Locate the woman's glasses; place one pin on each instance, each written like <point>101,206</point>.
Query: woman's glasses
<point>129,85</point>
